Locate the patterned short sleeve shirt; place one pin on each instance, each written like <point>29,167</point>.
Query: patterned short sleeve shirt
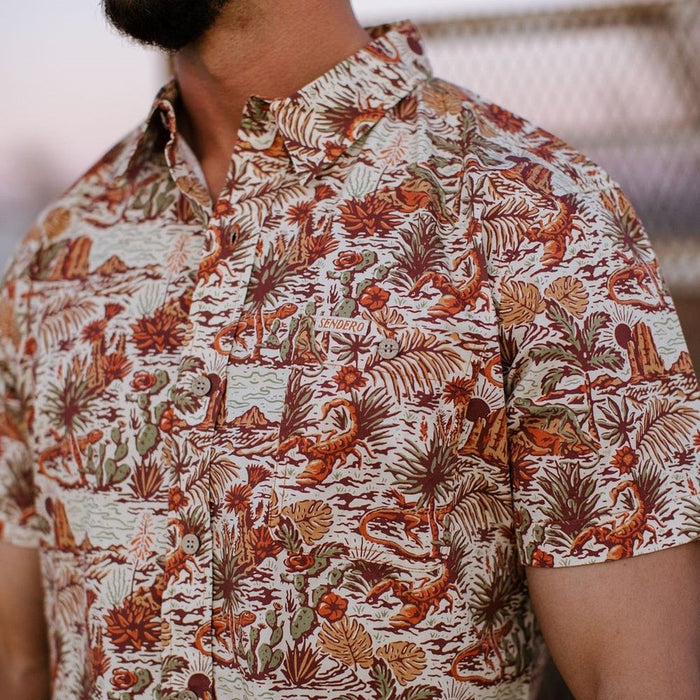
<point>301,442</point>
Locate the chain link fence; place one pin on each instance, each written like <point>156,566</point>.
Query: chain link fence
<point>621,83</point>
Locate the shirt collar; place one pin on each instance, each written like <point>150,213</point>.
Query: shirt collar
<point>322,120</point>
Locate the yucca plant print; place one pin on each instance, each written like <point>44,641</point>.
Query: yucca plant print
<point>572,497</point>
<point>617,421</point>
<point>623,226</point>
<point>494,593</point>
<point>653,492</point>
<point>428,471</point>
<point>268,283</point>
<point>375,416</point>
<point>298,408</point>
<point>68,407</point>
<point>466,139</point>
<point>421,250</point>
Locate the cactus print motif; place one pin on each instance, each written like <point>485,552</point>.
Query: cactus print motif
<point>301,442</point>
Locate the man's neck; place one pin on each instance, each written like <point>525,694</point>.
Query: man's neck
<point>257,47</point>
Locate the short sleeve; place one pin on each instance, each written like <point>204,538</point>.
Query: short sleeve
<point>19,524</point>
<point>602,403</point>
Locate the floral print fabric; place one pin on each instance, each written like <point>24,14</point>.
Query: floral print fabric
<point>302,441</point>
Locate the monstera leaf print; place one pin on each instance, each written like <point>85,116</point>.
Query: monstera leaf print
<point>570,293</point>
<point>422,360</point>
<point>406,659</point>
<point>312,518</point>
<point>692,514</point>
<point>347,641</point>
<point>520,303</point>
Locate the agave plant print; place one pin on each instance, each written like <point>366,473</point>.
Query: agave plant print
<point>302,442</point>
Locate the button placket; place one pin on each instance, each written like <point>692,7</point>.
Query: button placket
<point>388,349</point>
<point>201,385</point>
<point>218,301</point>
<point>190,544</point>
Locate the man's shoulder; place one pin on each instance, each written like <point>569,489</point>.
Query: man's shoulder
<point>97,185</point>
<point>62,221</point>
<point>495,139</point>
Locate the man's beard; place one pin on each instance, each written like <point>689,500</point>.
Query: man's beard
<point>167,24</point>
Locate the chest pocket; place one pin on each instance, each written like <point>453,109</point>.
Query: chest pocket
<point>357,428</point>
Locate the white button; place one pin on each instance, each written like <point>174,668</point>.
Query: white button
<point>186,695</point>
<point>201,386</point>
<point>190,544</point>
<point>388,349</point>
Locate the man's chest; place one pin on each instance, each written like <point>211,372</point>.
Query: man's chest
<point>158,325</point>
<point>299,398</point>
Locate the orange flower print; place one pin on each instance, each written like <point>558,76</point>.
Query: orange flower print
<point>300,213</point>
<point>168,422</point>
<point>374,297</point>
<point>123,679</point>
<point>347,259</point>
<point>368,216</point>
<point>625,460</point>
<point>223,207</point>
<point>332,606</point>
<point>299,562</point>
<point>504,119</point>
<point>458,392</point>
<point>142,381</point>
<point>542,560</point>
<point>177,498</point>
<point>349,377</point>
<point>94,331</point>
<point>238,498</point>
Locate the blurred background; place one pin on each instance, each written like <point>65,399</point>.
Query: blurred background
<point>619,79</point>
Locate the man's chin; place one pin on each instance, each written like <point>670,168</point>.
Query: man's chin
<point>166,24</point>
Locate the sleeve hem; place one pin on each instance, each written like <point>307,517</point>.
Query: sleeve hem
<point>600,553</point>
<point>19,536</point>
